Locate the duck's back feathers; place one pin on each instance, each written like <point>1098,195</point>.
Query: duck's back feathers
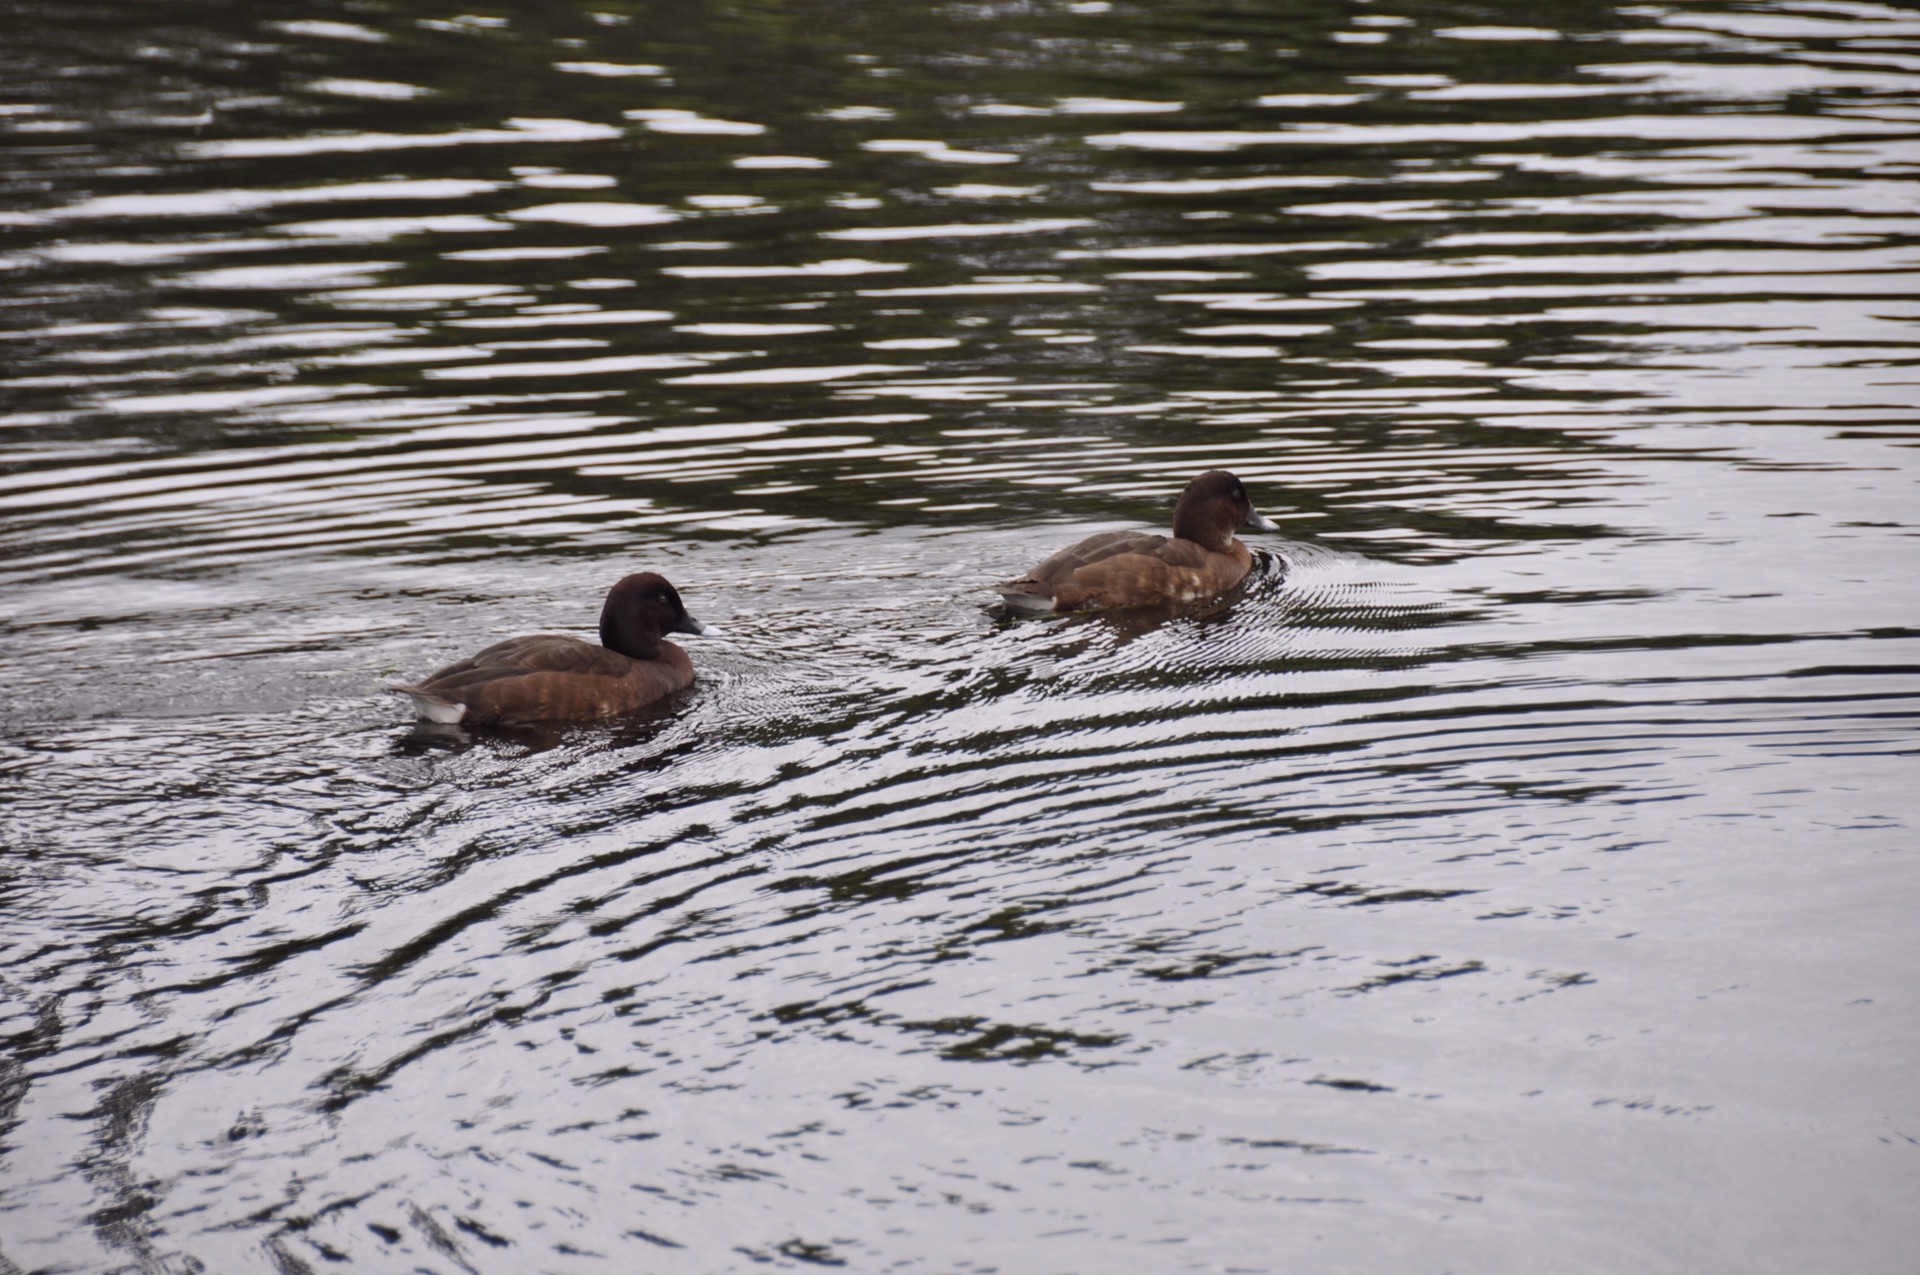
<point>525,656</point>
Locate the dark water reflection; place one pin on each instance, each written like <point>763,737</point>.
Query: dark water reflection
<point>1514,875</point>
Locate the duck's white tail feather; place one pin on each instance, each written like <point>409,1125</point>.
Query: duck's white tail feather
<point>1031,603</point>
<point>431,707</point>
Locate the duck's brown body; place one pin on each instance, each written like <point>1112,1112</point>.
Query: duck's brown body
<point>1201,560</point>
<point>1130,568</point>
<point>549,677</point>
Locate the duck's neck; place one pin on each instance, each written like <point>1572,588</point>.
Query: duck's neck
<point>635,641</point>
<point>1204,526</point>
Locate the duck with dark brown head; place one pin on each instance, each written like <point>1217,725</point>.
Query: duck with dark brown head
<point>549,677</point>
<point>1201,560</point>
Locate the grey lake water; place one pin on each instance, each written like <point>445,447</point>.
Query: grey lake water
<point>1519,873</point>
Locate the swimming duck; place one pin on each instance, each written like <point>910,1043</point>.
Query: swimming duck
<point>1201,560</point>
<point>552,678</point>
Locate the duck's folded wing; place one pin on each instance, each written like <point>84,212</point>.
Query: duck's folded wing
<point>1149,570</point>
<point>1130,578</point>
<point>555,653</point>
<point>525,656</point>
<point>1093,551</point>
<point>1185,555</point>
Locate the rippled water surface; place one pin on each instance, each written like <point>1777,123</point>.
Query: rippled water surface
<point>1518,874</point>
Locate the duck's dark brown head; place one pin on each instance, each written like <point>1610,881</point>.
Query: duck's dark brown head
<point>1212,508</point>
<point>640,610</point>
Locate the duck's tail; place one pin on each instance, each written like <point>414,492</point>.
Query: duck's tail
<point>1026,594</point>
<point>431,707</point>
